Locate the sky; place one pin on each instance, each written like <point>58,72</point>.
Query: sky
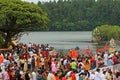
<point>35,1</point>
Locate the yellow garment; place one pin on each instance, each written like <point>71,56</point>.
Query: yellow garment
<point>111,50</point>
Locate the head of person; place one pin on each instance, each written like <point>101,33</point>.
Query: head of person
<point>98,70</point>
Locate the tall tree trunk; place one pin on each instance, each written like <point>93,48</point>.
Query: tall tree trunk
<point>7,40</point>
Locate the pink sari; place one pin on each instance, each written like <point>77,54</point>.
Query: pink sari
<point>54,69</point>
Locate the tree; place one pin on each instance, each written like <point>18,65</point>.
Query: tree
<point>17,16</point>
<point>106,32</point>
<point>84,14</point>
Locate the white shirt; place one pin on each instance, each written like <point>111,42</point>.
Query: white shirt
<point>65,62</point>
<point>103,77</point>
<point>21,72</point>
<point>105,56</point>
<point>92,76</point>
<point>105,59</point>
<point>29,60</point>
<point>34,76</point>
<point>29,45</point>
<point>68,75</point>
<point>77,76</point>
<point>48,77</point>
<point>97,76</point>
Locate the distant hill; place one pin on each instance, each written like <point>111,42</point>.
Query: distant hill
<point>81,15</point>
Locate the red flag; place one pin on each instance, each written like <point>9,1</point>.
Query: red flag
<point>106,47</point>
<point>87,50</point>
<point>83,51</point>
<point>91,53</point>
<point>98,50</point>
<point>88,54</point>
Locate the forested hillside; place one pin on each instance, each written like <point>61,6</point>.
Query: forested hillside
<point>81,15</point>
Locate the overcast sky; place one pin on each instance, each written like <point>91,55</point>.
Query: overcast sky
<point>35,1</point>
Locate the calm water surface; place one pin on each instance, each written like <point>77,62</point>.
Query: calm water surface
<point>60,40</point>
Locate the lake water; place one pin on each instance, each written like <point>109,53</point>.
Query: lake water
<point>60,40</point>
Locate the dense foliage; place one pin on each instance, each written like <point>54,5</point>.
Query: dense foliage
<point>1,40</point>
<point>81,15</point>
<point>106,32</point>
<point>17,16</point>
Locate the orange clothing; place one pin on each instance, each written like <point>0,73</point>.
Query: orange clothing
<point>40,65</point>
<point>73,54</point>
<point>87,66</point>
<point>1,58</point>
<point>38,59</point>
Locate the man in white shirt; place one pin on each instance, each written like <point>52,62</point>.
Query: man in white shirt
<point>103,75</point>
<point>92,76</point>
<point>34,75</point>
<point>105,59</point>
<point>97,75</point>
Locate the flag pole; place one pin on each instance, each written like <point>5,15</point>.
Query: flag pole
<point>97,33</point>
<point>96,44</point>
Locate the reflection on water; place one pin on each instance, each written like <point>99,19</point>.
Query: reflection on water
<point>60,40</point>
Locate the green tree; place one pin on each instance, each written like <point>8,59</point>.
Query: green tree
<point>106,32</point>
<point>17,16</point>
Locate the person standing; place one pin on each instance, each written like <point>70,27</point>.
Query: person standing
<point>1,75</point>
<point>105,59</point>
<point>73,65</point>
<point>1,58</point>
<point>51,76</point>
<point>27,77</point>
<point>33,62</point>
<point>34,75</point>
<point>6,75</point>
<point>92,75</point>
<point>97,75</point>
<point>103,75</point>
<point>73,75</point>
<point>38,61</point>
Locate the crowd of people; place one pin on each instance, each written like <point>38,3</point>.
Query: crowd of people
<point>42,62</point>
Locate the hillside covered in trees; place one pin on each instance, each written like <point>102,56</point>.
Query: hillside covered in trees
<point>81,15</point>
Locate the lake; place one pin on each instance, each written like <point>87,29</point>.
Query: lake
<point>60,40</point>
